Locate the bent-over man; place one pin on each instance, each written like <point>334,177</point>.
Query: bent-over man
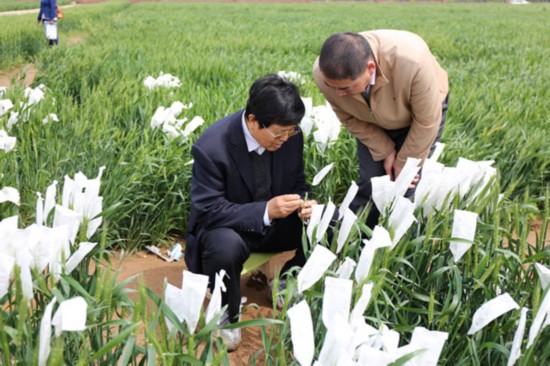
<point>389,91</point>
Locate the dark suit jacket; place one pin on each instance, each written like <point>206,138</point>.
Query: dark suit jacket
<point>222,183</point>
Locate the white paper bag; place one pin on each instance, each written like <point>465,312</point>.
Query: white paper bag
<point>301,330</point>
<point>336,299</point>
<point>51,30</point>
<point>491,310</point>
<point>320,259</point>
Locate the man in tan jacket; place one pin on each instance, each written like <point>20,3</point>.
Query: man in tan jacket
<point>388,90</point>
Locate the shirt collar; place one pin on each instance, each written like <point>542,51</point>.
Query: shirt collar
<point>371,84</point>
<point>251,143</point>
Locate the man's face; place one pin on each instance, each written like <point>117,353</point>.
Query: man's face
<point>345,87</point>
<point>273,137</point>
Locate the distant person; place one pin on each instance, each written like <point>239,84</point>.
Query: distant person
<point>48,17</point>
<point>389,91</point>
<point>247,190</point>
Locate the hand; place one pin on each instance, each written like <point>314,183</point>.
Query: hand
<point>397,170</point>
<point>281,206</point>
<point>304,212</point>
<point>415,180</point>
<point>389,163</point>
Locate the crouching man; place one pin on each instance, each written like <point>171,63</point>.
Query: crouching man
<point>247,190</point>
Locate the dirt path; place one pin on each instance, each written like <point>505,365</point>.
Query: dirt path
<point>18,75</point>
<point>29,11</point>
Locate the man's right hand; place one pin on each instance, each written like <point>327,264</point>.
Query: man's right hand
<point>388,165</point>
<point>281,206</point>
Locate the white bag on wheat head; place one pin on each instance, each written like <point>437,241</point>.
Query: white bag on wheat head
<point>51,30</point>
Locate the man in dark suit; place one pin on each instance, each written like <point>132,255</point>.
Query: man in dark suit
<point>248,187</point>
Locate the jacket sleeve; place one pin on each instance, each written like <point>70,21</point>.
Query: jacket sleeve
<point>53,7</point>
<point>426,113</point>
<point>208,198</point>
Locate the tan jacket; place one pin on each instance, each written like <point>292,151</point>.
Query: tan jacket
<point>409,90</point>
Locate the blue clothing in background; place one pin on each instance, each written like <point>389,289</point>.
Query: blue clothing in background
<point>47,10</point>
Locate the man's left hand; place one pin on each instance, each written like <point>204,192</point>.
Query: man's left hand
<point>389,164</point>
<point>307,208</point>
<point>280,207</point>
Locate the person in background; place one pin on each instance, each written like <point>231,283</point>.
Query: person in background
<point>48,16</point>
<point>390,92</point>
<point>248,190</point>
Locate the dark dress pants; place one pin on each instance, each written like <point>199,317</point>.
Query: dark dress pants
<point>368,168</point>
<point>228,249</point>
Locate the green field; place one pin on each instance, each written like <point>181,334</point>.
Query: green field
<point>497,59</point>
<point>495,56</point>
<point>11,5</point>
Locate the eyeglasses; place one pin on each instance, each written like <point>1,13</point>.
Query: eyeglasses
<point>288,134</point>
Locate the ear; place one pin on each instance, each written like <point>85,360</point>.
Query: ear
<point>252,123</point>
<point>371,66</point>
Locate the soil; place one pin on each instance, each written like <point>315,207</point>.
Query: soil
<point>25,75</point>
<point>83,2</point>
<point>75,40</point>
<point>153,270</point>
<point>534,234</point>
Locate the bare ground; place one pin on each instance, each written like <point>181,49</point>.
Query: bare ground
<point>153,270</point>
<point>18,75</point>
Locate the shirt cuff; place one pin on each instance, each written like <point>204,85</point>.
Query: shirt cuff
<point>267,221</point>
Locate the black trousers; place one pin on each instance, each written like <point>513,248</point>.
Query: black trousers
<point>368,168</point>
<point>228,249</point>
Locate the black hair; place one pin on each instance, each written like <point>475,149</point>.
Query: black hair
<point>344,56</point>
<point>272,99</point>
